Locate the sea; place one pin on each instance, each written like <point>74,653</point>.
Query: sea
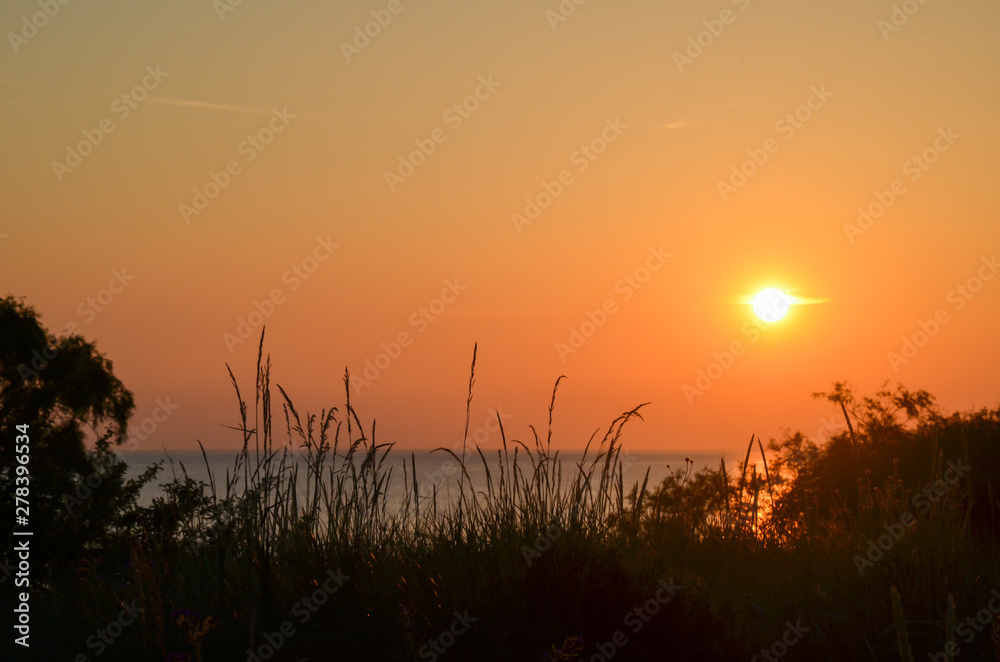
<point>436,471</point>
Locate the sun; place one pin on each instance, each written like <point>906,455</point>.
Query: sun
<point>771,305</point>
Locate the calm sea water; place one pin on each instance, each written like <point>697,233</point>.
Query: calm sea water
<point>437,469</point>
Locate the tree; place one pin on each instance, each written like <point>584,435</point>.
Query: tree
<point>64,390</point>
<point>897,436</point>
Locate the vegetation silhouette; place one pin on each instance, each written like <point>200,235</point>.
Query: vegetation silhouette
<point>63,390</point>
<point>286,560</point>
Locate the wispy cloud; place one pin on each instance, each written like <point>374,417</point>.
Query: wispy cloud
<point>391,113</point>
<point>747,299</point>
<point>191,103</point>
<point>678,124</point>
<point>483,312</point>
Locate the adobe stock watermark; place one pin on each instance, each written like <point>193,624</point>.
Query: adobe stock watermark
<point>543,541</point>
<point>625,288</point>
<point>293,277</point>
<point>122,108</point>
<point>88,309</point>
<point>724,361</point>
<point>420,320</point>
<point>147,427</point>
<point>303,611</point>
<point>440,644</point>
<point>635,621</point>
<point>914,168</point>
<point>958,297</point>
<point>104,637</point>
<point>363,35</point>
<point>95,304</point>
<point>454,116</point>
<point>714,27</point>
<point>562,12</point>
<point>969,628</point>
<point>223,7</point>
<point>449,467</point>
<point>828,427</point>
<point>213,533</point>
<point>922,501</point>
<point>163,410</point>
<point>759,156</point>
<point>250,148</point>
<point>37,21</point>
<point>877,547</point>
<point>581,158</point>
<point>899,17</point>
<point>791,636</point>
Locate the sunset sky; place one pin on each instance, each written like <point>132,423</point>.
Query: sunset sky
<point>507,174</point>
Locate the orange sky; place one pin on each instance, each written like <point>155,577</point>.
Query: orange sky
<point>359,179</point>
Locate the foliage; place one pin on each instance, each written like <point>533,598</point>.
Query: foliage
<point>65,391</point>
<point>551,558</point>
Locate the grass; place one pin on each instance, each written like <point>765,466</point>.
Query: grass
<point>545,558</point>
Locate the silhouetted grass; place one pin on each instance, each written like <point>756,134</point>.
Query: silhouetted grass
<point>546,552</point>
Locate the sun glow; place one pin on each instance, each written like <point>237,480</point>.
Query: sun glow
<point>771,305</point>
